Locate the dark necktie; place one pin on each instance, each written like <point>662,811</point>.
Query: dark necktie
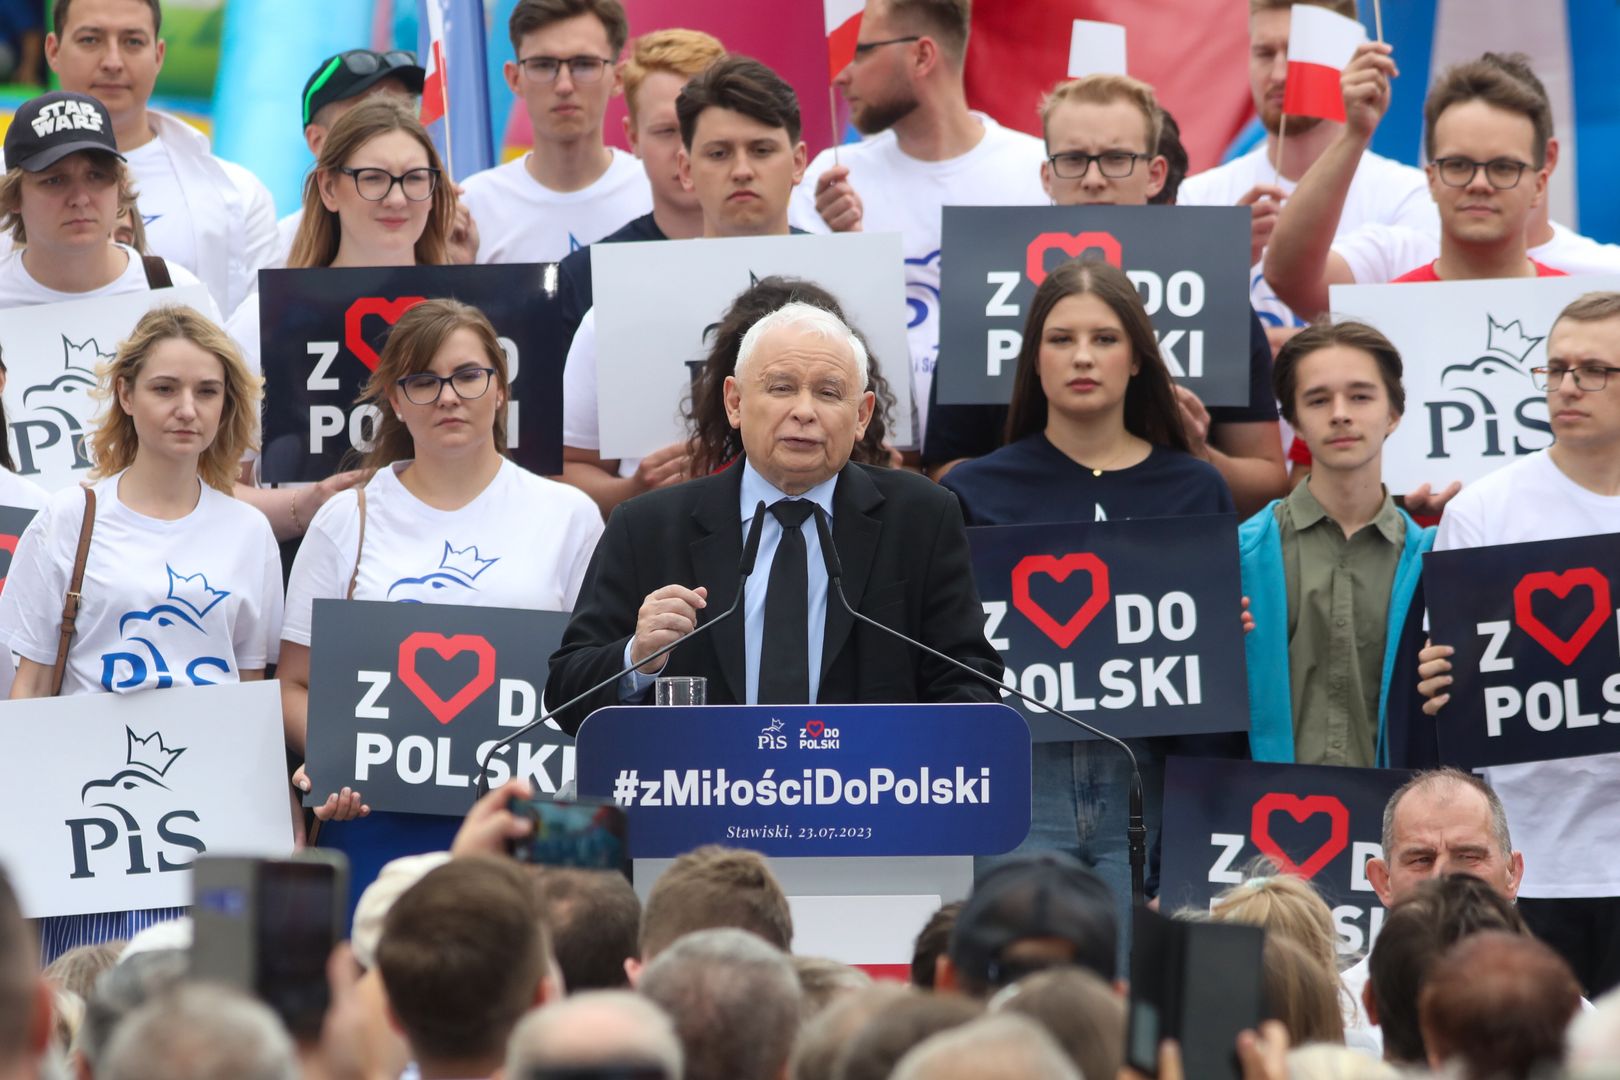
<point>784,653</point>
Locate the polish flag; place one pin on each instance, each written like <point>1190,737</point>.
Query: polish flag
<point>1320,44</point>
<point>435,101</point>
<point>843,18</point>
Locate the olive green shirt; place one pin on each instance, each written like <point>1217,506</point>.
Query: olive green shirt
<point>1338,611</point>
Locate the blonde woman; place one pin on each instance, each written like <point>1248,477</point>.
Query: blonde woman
<point>181,582</point>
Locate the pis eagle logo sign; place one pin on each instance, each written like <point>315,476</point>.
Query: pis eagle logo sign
<point>56,414</point>
<point>131,825</point>
<point>1489,405</point>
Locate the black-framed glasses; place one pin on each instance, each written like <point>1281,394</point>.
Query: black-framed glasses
<point>1501,173</point>
<point>424,387</point>
<point>581,69</point>
<point>1114,164</point>
<point>866,48</point>
<point>1588,377</point>
<point>373,185</point>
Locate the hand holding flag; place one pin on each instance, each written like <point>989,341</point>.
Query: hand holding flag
<point>1365,86</point>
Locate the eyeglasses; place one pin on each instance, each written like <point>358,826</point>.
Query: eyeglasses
<point>424,387</point>
<point>1502,173</point>
<point>1113,164</point>
<point>581,69</point>
<point>865,48</point>
<point>360,62</point>
<point>373,185</point>
<point>1587,377</point>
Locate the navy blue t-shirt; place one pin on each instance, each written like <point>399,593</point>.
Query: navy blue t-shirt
<point>574,291</point>
<point>1032,481</point>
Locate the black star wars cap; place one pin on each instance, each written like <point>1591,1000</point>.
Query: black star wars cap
<point>52,126</point>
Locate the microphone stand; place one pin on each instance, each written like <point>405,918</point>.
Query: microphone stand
<point>1136,827</point>
<point>744,569</point>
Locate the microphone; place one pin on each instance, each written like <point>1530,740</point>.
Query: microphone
<point>1136,828</point>
<point>745,567</point>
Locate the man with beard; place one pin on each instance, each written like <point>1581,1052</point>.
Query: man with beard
<point>905,82</point>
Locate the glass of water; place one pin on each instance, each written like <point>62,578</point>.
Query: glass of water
<point>681,690</point>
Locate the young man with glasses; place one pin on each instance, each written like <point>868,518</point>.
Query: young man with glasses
<point>905,87</point>
<point>1564,813</point>
<point>571,189</point>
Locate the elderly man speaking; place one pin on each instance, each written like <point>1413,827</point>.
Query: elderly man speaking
<point>669,559</point>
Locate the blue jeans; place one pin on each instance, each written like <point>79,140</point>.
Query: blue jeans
<point>1080,806</point>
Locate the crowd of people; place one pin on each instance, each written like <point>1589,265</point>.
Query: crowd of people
<point>468,964</point>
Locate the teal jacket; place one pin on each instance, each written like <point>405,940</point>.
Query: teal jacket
<point>1271,713</point>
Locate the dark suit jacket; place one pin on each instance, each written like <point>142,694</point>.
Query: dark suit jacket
<point>906,564</point>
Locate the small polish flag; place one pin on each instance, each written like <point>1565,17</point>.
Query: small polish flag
<point>1320,44</point>
<point>434,99</point>
<point>843,19</point>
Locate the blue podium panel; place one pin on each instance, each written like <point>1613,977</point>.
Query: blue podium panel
<point>812,780</point>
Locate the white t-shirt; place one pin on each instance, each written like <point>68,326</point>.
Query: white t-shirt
<point>19,289</point>
<point>902,194</point>
<point>581,420</point>
<point>1564,815</point>
<point>1384,192</point>
<point>243,328</point>
<point>21,492</point>
<point>162,203</point>
<point>1380,253</point>
<point>166,603</point>
<point>520,220</point>
<point>286,233</point>
<point>524,542</point>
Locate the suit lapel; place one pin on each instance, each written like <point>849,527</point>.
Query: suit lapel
<point>855,533</point>
<point>715,554</point>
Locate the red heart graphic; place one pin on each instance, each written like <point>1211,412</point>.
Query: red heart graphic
<point>1064,633</point>
<point>447,647</point>
<point>1073,246</point>
<point>1299,809</point>
<point>388,310</point>
<point>8,544</point>
<point>814,728</point>
<point>1560,585</point>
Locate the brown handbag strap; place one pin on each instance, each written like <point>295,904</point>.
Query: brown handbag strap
<point>360,548</point>
<point>157,272</point>
<point>70,604</point>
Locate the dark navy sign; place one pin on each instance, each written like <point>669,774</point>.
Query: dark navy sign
<point>13,520</point>
<point>1189,263</point>
<point>404,698</point>
<point>1537,668</point>
<point>1320,822</point>
<point>1132,626</point>
<point>322,332</point>
<point>812,780</point>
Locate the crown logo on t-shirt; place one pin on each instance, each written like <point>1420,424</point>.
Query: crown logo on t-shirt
<point>194,592</point>
<point>465,562</point>
<point>1509,339</point>
<point>150,753</point>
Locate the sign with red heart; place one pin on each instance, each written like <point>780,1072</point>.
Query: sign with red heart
<point>354,323</point>
<point>814,728</point>
<point>1064,632</point>
<point>1561,585</point>
<point>13,520</point>
<point>1072,245</point>
<point>1301,810</point>
<point>443,709</point>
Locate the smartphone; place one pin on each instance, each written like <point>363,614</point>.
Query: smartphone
<point>268,927</point>
<point>1199,983</point>
<point>591,834</point>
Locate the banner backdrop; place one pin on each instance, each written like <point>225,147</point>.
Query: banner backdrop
<point>13,520</point>
<point>1132,626</point>
<point>322,331</point>
<point>652,338</point>
<point>1321,822</point>
<point>1187,262</point>
<point>125,790</point>
<point>51,352</point>
<point>1469,347</point>
<point>404,698</point>
<point>1537,667</point>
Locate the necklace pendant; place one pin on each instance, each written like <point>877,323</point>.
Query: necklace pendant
<point>1096,472</point>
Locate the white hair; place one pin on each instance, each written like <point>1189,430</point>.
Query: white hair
<point>1593,1037</point>
<point>601,1027</point>
<point>818,321</point>
<point>200,1032</point>
<point>1000,1045</point>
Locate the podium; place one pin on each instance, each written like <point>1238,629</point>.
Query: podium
<point>870,815</point>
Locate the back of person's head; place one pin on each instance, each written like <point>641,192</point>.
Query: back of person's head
<point>595,922</point>
<point>1414,935</point>
<point>122,989</point>
<point>597,1029</point>
<point>20,996</point>
<point>1301,991</point>
<point>1079,1010</point>
<point>463,955</point>
<point>931,943</point>
<point>683,53</point>
<point>531,15</point>
<point>1282,905</point>
<point>879,1044</point>
<point>1031,912</point>
<point>711,887</point>
<point>1497,81</point>
<point>947,22</point>
<point>1594,1037</point>
<point>1105,89</point>
<point>200,1032</point>
<point>371,911</point>
<point>999,1047</point>
<point>77,970</point>
<point>1175,158</point>
<point>743,85</point>
<point>734,1000</point>
<point>1324,333</point>
<point>1325,1061</point>
<point>1499,1004</point>
<point>823,1037</point>
<point>824,981</point>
